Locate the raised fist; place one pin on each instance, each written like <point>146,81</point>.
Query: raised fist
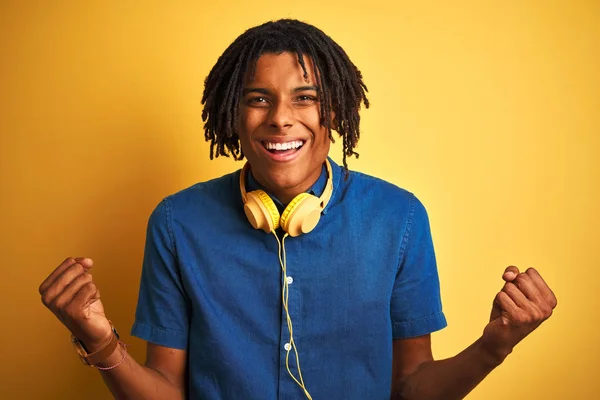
<point>519,308</point>
<point>70,293</point>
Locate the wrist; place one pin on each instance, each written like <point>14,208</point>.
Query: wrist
<point>96,353</point>
<point>491,354</point>
<point>94,346</point>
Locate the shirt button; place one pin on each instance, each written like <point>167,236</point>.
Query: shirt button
<point>287,347</point>
<point>289,280</point>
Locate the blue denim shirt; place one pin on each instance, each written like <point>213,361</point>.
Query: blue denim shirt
<point>211,284</point>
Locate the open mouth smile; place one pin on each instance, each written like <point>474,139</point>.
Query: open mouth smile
<point>283,151</point>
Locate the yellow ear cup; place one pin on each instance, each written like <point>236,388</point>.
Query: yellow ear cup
<point>261,211</point>
<point>301,215</point>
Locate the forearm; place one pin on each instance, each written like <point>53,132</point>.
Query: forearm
<point>448,379</point>
<point>133,381</point>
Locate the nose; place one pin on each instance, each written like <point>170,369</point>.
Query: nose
<point>281,115</point>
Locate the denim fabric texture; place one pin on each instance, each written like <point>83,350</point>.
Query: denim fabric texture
<point>211,284</point>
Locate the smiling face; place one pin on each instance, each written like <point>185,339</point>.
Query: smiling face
<point>280,130</point>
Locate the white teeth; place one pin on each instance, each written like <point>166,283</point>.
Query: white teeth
<point>284,146</point>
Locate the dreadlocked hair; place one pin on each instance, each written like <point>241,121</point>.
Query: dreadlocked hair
<point>340,83</point>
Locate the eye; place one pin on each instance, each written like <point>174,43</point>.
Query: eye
<point>306,99</point>
<point>258,101</point>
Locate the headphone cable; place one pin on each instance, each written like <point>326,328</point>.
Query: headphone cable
<point>284,299</point>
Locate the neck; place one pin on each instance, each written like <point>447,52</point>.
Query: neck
<point>286,195</point>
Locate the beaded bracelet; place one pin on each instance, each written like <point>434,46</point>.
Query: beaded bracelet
<point>124,346</point>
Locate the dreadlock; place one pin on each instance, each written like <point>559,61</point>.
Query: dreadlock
<point>341,87</point>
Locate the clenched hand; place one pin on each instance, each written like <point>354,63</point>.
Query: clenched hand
<point>519,308</point>
<point>70,293</point>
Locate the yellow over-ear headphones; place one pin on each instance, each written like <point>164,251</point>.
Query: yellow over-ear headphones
<point>300,216</point>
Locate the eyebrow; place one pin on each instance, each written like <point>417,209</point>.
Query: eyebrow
<point>305,88</point>
<point>295,90</point>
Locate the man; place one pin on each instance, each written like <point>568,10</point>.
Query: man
<point>293,277</point>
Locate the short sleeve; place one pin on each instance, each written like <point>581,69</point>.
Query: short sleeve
<point>162,314</point>
<point>416,307</point>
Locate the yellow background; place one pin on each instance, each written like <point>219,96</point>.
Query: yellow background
<point>488,111</point>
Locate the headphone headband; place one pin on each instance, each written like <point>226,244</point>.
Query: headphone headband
<point>323,200</point>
